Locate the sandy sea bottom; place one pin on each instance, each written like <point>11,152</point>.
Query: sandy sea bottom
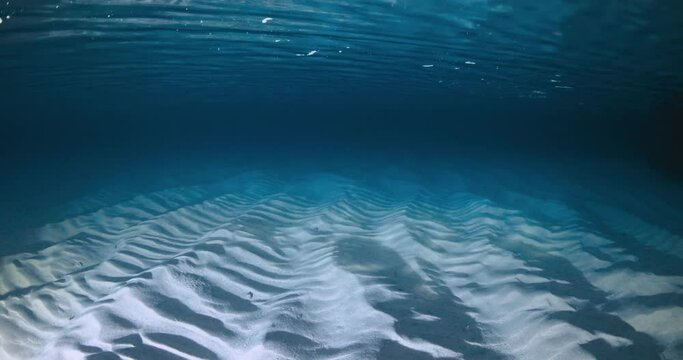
<point>482,261</point>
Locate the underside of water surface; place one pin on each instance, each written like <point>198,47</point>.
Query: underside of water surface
<point>372,179</point>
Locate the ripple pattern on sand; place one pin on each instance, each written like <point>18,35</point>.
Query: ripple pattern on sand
<point>324,266</point>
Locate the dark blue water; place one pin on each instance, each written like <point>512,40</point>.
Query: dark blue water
<point>372,179</point>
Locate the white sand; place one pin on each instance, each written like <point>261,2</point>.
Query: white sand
<point>473,265</point>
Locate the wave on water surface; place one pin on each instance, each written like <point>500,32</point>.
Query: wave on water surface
<point>495,49</point>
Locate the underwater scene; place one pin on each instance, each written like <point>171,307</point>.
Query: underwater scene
<point>341,179</point>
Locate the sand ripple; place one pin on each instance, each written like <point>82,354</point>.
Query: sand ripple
<point>333,267</point>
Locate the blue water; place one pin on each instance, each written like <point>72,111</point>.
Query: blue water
<point>372,179</point>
